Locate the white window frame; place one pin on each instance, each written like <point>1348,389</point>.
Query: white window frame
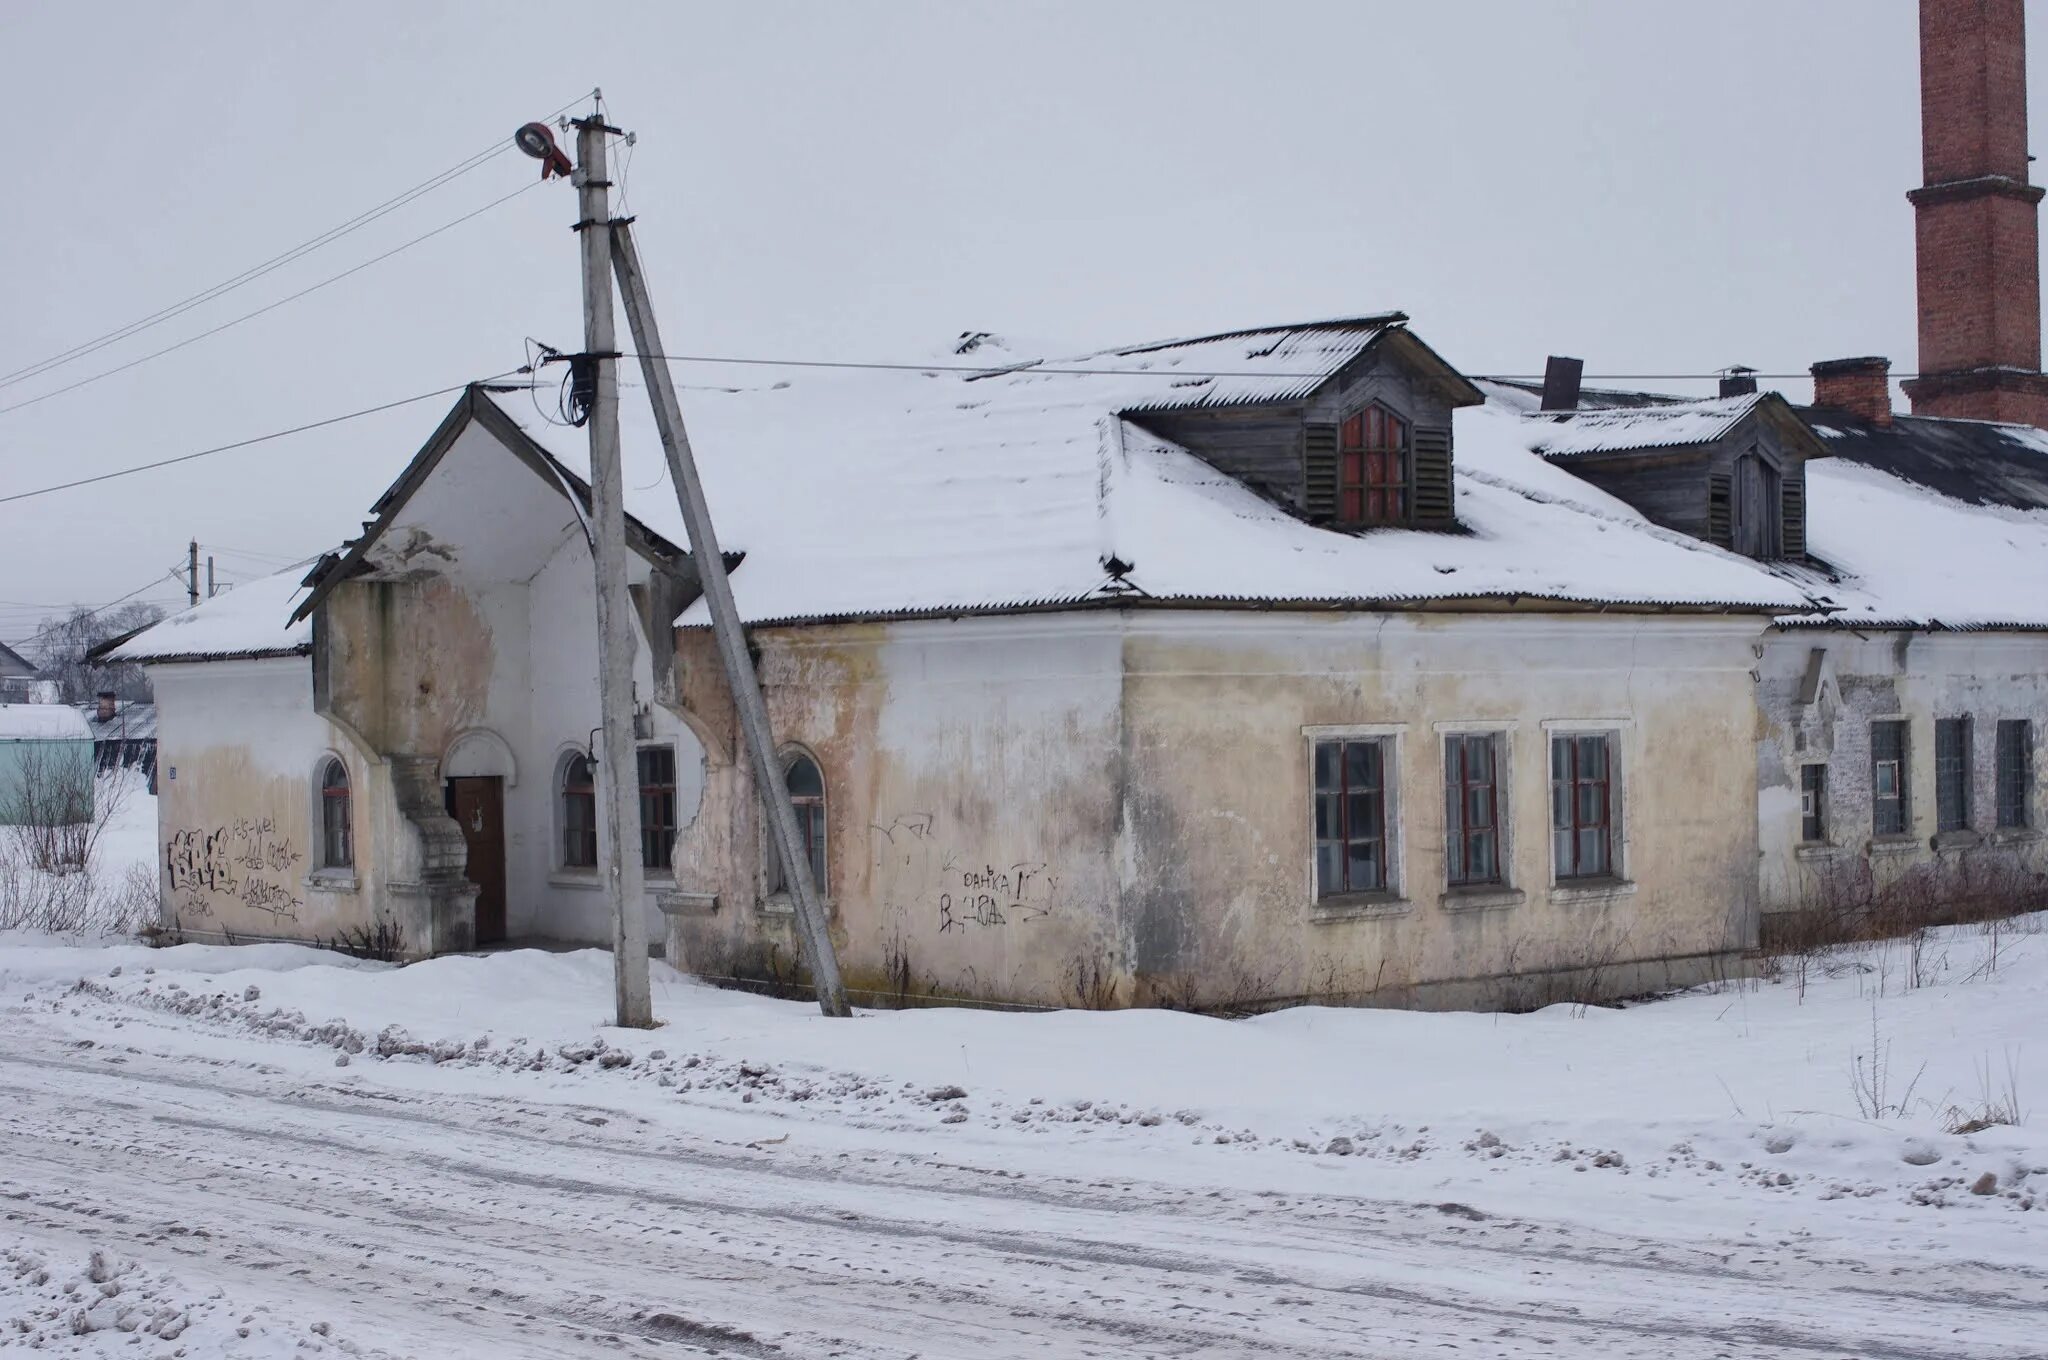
<point>1393,899</point>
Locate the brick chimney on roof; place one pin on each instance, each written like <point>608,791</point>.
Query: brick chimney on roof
<point>1976,226</point>
<point>1860,387</point>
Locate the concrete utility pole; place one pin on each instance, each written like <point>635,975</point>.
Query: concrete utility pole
<point>618,784</point>
<point>209,576</point>
<point>192,574</point>
<point>812,930</point>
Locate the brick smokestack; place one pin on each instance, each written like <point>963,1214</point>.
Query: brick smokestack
<point>1860,387</point>
<point>1976,224</point>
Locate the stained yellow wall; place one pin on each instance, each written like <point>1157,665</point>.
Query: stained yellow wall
<point>1109,808</point>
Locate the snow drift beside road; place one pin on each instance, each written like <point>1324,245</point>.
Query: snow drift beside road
<point>1751,1086</point>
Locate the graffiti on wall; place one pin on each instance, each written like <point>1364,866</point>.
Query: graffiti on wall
<point>951,889</point>
<point>249,862</point>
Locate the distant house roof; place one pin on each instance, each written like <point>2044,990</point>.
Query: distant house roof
<point>131,722</point>
<point>1662,426</point>
<point>1927,523</point>
<point>13,664</point>
<point>42,722</point>
<point>1974,461</point>
<point>252,620</point>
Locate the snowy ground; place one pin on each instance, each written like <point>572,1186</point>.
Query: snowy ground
<point>270,1150</point>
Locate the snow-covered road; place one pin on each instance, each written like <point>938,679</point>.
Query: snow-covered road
<point>434,1219</point>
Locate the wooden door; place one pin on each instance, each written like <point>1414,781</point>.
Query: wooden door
<point>478,805</point>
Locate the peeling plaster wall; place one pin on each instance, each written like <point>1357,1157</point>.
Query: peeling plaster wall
<point>972,802</point>
<point>1920,677</point>
<point>1109,808</point>
<point>1220,906</point>
<point>239,751</point>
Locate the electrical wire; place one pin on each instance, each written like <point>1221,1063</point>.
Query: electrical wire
<point>245,443</point>
<point>41,633</point>
<point>271,307</point>
<point>1029,369</point>
<point>254,272</point>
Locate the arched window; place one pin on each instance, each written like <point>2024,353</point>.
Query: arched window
<point>337,838</point>
<point>578,794</point>
<point>807,791</point>
<point>1372,468</point>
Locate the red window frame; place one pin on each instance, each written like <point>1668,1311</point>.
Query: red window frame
<point>579,814</point>
<point>1582,804</point>
<point>337,820</point>
<point>657,770</point>
<point>1472,808</point>
<point>1351,816</point>
<point>1373,465</point>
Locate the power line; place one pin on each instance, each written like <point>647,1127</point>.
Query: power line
<point>1031,369</point>
<point>269,307</point>
<point>41,633</point>
<point>245,443</point>
<point>254,272</point>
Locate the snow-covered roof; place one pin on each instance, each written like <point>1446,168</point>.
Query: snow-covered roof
<point>1910,556</point>
<point>1562,434</point>
<point>249,621</point>
<point>899,493</point>
<point>42,722</point>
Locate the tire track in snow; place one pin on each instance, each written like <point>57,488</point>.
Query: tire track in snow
<point>1438,1312</point>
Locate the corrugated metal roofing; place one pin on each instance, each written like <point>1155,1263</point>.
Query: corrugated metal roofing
<point>1674,425</point>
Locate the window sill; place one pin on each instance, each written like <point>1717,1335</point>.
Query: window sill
<point>1816,850</point>
<point>1592,889</point>
<point>782,904</point>
<point>333,881</point>
<point>1359,907</point>
<point>2015,835</point>
<point>590,880</point>
<point>674,903</point>
<point>1964,839</point>
<point>1482,897</point>
<point>1881,846</point>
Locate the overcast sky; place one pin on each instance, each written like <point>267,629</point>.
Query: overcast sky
<point>1657,187</point>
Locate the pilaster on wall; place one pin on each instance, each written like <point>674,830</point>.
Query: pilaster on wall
<point>435,902</point>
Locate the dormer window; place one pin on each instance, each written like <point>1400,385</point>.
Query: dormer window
<point>1373,467</point>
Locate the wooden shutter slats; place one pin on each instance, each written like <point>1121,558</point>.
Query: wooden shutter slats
<point>1435,494</point>
<point>1319,471</point>
<point>1720,518</point>
<point>1793,494</point>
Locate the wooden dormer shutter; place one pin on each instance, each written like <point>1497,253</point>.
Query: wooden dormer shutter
<point>1319,471</point>
<point>1720,510</point>
<point>1793,495</point>
<point>1435,498</point>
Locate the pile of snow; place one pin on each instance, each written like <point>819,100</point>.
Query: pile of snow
<point>98,1304</point>
<point>1860,1083</point>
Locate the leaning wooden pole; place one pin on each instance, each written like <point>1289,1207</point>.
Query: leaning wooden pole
<point>618,784</point>
<point>813,932</point>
